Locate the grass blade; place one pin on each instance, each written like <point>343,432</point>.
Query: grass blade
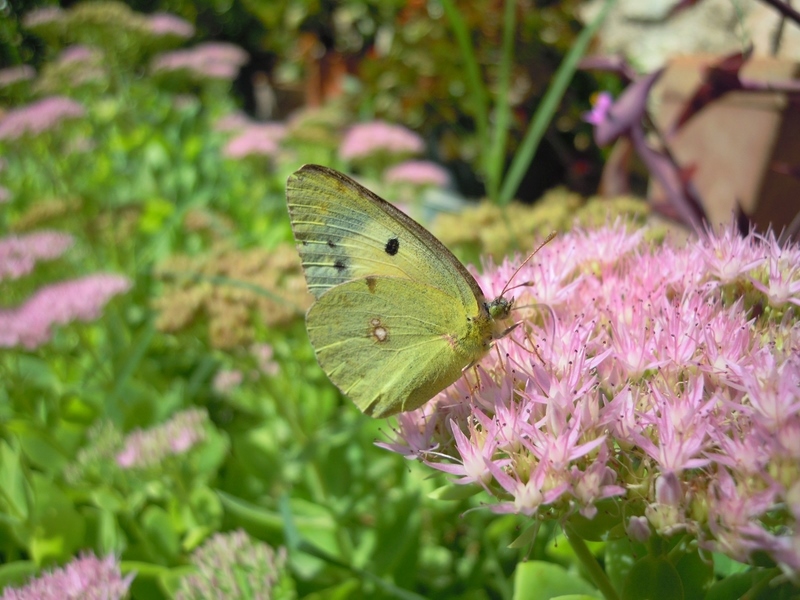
<point>547,108</point>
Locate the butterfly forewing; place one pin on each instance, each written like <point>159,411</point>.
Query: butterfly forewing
<point>344,232</point>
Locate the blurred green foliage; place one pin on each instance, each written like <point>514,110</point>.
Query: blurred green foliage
<point>410,69</point>
<point>408,66</point>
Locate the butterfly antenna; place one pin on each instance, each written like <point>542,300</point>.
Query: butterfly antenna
<point>524,262</point>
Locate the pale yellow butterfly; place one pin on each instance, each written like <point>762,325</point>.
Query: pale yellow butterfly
<point>397,317</point>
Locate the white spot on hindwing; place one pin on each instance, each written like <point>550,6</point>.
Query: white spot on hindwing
<point>377,330</point>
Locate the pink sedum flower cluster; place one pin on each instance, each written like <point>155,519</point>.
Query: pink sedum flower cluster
<point>30,325</point>
<point>210,60</point>
<point>79,53</point>
<point>255,139</point>
<point>20,253</point>
<point>365,139</point>
<point>43,16</point>
<point>233,565</point>
<point>664,378</point>
<point>233,122</point>
<point>227,380</point>
<point>167,24</point>
<point>84,578</point>
<point>12,75</point>
<point>418,172</point>
<point>38,116</point>
<point>148,448</point>
<point>265,359</point>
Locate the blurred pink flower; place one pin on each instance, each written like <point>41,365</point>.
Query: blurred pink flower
<point>214,60</point>
<point>84,578</point>
<point>5,198</point>
<point>12,75</point>
<point>30,324</point>
<point>600,106</point>
<point>77,65</point>
<point>78,53</point>
<point>235,121</point>
<point>264,354</point>
<point>149,447</point>
<point>643,356</point>
<point>19,253</point>
<point>256,139</point>
<point>42,16</point>
<point>38,117</point>
<point>162,23</point>
<point>238,564</point>
<point>418,172</point>
<point>226,380</point>
<point>222,52</point>
<point>364,139</point>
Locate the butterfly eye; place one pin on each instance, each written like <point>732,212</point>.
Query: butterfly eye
<point>499,308</point>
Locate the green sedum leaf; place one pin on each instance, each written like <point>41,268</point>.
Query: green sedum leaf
<point>653,578</point>
<point>539,580</point>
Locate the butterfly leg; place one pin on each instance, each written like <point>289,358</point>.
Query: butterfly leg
<point>477,373</point>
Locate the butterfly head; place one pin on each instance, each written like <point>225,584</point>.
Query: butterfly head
<point>499,308</point>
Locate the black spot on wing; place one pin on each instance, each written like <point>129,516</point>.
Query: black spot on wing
<point>331,244</point>
<point>392,246</point>
<point>340,264</point>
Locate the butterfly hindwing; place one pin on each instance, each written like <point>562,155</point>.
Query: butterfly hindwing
<point>386,355</point>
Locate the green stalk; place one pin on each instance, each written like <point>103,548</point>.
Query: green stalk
<point>474,80</point>
<point>502,107</point>
<point>547,108</point>
<point>135,355</point>
<point>589,563</point>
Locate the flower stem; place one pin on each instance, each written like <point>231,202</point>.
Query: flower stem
<point>589,563</point>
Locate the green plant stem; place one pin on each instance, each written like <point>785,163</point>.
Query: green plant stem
<point>678,549</point>
<point>764,581</point>
<point>101,363</point>
<point>502,106</point>
<point>475,84</point>
<point>295,541</point>
<point>589,563</point>
<point>136,354</point>
<point>547,108</point>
